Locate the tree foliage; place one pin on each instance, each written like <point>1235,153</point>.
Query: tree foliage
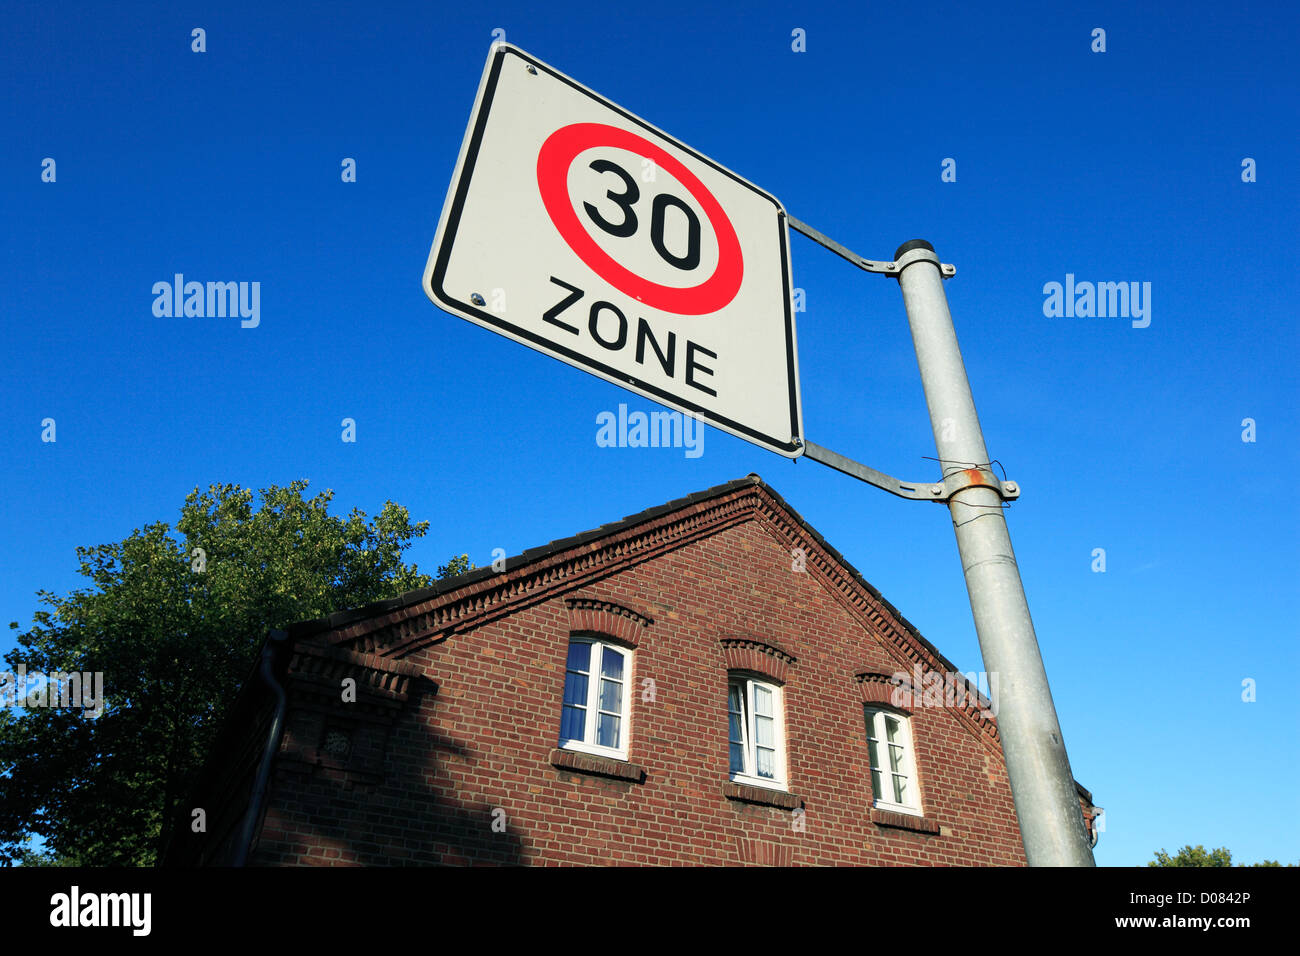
<point>1193,856</point>
<point>1199,856</point>
<point>173,621</point>
<point>460,564</point>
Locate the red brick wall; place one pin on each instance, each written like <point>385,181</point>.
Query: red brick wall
<point>432,782</point>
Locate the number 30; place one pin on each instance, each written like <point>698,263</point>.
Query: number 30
<point>626,199</point>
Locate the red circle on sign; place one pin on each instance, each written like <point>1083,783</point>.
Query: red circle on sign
<point>553,161</point>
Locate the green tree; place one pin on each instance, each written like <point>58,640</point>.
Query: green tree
<point>1193,856</point>
<point>460,564</point>
<point>1199,856</point>
<point>173,622</point>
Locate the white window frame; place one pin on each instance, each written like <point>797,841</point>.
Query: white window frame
<point>750,775</point>
<point>905,767</point>
<point>587,744</point>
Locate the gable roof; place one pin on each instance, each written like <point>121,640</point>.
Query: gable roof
<point>447,586</point>
<point>389,630</point>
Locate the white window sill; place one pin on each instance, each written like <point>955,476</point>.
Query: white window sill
<point>595,751</point>
<point>897,808</point>
<point>766,783</point>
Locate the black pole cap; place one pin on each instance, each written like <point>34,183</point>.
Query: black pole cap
<point>910,245</point>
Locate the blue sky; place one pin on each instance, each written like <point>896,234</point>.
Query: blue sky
<point>1117,166</point>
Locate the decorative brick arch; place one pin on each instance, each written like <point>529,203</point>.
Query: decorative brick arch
<point>603,616</point>
<point>875,687</point>
<point>746,653</point>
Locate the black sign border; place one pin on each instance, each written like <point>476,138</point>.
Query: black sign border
<point>793,445</point>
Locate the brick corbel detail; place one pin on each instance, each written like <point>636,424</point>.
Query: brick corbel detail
<point>603,616</point>
<point>759,656</point>
<point>316,706</point>
<point>383,685</point>
<point>533,581</point>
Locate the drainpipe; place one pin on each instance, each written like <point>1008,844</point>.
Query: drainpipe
<point>276,640</point>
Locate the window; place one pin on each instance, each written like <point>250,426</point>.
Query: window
<point>754,720</point>
<point>596,700</point>
<point>893,771</point>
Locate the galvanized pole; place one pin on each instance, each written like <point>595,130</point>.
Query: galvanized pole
<point>1047,805</point>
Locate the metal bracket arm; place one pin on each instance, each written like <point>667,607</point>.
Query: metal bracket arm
<point>915,490</point>
<point>869,265</point>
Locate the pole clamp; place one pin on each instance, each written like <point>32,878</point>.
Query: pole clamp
<point>918,255</point>
<point>973,478</point>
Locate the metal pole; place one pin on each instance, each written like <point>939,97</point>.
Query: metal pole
<point>1047,805</point>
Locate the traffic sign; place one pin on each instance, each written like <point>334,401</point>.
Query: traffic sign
<point>580,230</point>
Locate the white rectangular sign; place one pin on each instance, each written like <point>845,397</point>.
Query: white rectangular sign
<point>580,230</point>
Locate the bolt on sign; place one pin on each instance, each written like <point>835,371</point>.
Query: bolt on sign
<point>580,230</point>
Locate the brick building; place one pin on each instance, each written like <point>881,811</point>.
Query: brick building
<point>706,682</point>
